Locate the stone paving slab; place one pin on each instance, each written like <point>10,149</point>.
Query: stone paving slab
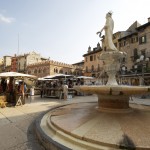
<point>16,122</point>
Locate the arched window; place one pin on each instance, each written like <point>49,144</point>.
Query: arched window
<point>35,71</point>
<point>44,70</point>
<point>60,71</point>
<point>29,72</point>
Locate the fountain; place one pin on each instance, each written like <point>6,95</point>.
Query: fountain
<point>112,123</point>
<point>112,97</point>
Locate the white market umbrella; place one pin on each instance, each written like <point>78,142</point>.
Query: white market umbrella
<point>58,76</point>
<point>44,79</point>
<point>28,79</point>
<point>17,75</point>
<point>85,77</point>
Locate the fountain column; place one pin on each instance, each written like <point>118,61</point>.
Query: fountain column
<point>114,100</point>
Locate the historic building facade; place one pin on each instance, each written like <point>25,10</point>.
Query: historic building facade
<point>92,64</point>
<point>14,63</point>
<point>51,67</point>
<point>137,46</point>
<point>135,41</point>
<point>27,59</point>
<point>5,64</point>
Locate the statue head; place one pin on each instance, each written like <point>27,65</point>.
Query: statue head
<point>109,14</point>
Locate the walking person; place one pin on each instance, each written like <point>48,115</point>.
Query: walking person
<point>42,90</point>
<point>65,91</point>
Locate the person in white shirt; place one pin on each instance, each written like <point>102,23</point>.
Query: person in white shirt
<point>65,91</point>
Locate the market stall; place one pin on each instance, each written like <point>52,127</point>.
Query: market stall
<point>55,87</point>
<point>13,92</point>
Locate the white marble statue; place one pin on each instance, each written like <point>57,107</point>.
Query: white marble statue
<point>109,26</point>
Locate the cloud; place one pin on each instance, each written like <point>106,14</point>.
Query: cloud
<point>4,19</point>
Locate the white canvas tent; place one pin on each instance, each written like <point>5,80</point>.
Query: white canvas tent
<point>58,76</point>
<point>16,75</point>
<point>45,79</point>
<point>85,77</point>
<point>28,79</point>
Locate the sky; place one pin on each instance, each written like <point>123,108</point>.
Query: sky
<point>62,30</point>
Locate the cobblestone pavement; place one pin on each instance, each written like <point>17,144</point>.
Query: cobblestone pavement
<point>16,123</point>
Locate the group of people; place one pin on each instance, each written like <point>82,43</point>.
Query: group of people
<point>55,86</point>
<point>9,88</point>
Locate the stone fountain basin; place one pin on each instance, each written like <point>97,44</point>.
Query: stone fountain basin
<point>113,89</point>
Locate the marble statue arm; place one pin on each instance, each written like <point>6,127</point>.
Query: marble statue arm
<point>99,32</point>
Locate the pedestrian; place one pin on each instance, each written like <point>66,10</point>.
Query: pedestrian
<point>22,90</point>
<point>65,91</point>
<point>42,89</point>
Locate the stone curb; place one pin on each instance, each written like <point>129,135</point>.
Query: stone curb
<point>46,141</point>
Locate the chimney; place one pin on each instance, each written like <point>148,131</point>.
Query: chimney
<point>149,19</point>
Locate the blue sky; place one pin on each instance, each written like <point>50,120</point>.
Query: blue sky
<point>62,29</point>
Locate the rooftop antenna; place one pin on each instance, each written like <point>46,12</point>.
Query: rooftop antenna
<point>18,54</point>
<point>18,45</point>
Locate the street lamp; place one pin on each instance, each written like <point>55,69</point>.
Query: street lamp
<point>140,66</point>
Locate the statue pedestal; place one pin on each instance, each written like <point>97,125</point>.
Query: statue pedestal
<point>111,61</point>
<point>113,103</point>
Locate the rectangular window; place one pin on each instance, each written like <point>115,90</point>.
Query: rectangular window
<point>143,52</point>
<point>124,43</point>
<point>142,39</point>
<point>91,58</point>
<point>134,39</point>
<point>86,59</point>
<point>120,44</point>
<point>94,57</point>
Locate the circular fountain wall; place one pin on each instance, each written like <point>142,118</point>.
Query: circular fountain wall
<point>80,126</point>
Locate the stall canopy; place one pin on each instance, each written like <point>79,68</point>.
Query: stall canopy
<point>44,79</point>
<point>28,79</point>
<point>16,75</point>
<point>58,76</point>
<point>85,77</point>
